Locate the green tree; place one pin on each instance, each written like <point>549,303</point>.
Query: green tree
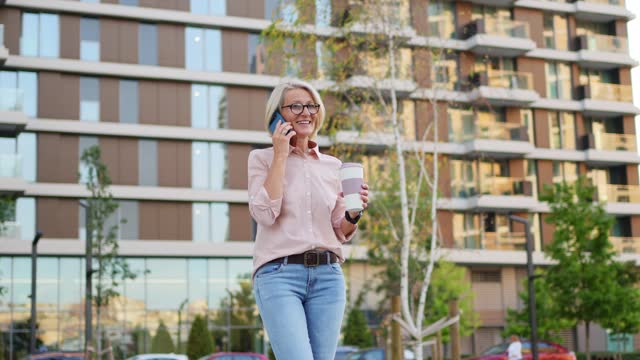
<point>199,342</point>
<point>21,339</point>
<point>162,342</point>
<point>356,331</point>
<point>625,315</point>
<point>581,280</point>
<point>549,321</point>
<point>111,269</point>
<point>140,339</point>
<point>239,307</point>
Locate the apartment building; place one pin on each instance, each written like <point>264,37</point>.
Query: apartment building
<point>173,92</point>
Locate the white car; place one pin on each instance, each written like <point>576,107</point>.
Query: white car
<point>159,357</point>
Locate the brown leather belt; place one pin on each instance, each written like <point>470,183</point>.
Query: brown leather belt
<point>309,258</point>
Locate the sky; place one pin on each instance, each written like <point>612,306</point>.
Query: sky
<point>634,49</point>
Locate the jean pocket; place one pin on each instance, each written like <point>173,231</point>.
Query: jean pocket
<point>269,269</point>
<point>336,268</point>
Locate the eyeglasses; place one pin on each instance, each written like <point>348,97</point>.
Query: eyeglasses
<point>297,109</point>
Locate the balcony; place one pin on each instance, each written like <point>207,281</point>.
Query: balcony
<point>625,245</point>
<point>492,2</point>
<point>498,38</point>
<point>603,52</point>
<point>4,52</point>
<point>496,140</point>
<point>12,118</point>
<point>607,100</point>
<point>602,10</point>
<point>491,194</point>
<point>502,240</point>
<point>606,149</point>
<point>503,88</point>
<point>10,230</point>
<point>620,199</point>
<point>11,181</point>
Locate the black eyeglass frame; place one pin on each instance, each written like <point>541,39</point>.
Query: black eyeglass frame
<point>315,107</point>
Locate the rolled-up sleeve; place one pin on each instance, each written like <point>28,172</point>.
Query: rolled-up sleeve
<point>337,215</point>
<point>264,210</point>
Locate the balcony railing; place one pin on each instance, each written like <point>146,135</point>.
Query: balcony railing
<point>505,79</point>
<point>503,185</point>
<point>10,230</point>
<point>607,92</point>
<point>504,241</point>
<point>606,43</point>
<point>606,2</point>
<point>1,35</point>
<point>10,165</point>
<point>497,27</point>
<point>494,131</point>
<point>625,244</point>
<point>619,193</point>
<point>11,99</point>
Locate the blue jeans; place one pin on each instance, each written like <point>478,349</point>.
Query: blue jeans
<point>301,308</point>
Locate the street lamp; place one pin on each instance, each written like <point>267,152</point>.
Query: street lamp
<point>532,289</point>
<point>34,273</point>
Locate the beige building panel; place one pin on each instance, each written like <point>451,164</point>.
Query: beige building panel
<point>424,116</point>
<point>109,100</point>
<point>180,5</point>
<point>238,155</point>
<point>235,53</point>
<point>69,36</point>
<point>246,8</point>
<point>536,67</point>
<point>171,49</point>
<point>57,218</point>
<point>174,165</point>
<point>109,48</point>
<point>541,127</point>
<point>57,158</point>
<point>445,223</point>
<point>463,15</point>
<point>164,220</point>
<point>488,296</point>
<point>128,42</point>
<point>58,96</point>
<point>418,19</point>
<point>12,21</point>
<point>509,288</point>
<point>240,227</point>
<point>148,102</point>
<point>535,19</point>
<point>246,117</point>
<point>361,275</point>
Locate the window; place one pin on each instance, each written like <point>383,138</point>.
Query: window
<point>441,19</point>
<point>89,39</point>
<point>445,72</point>
<point>323,13</point>
<point>324,57</point>
<point>526,116</point>
<point>208,107</point>
<point>204,49</point>
<point>208,165</point>
<point>9,158</point>
<point>128,2</point>
<point>148,40</point>
<point>27,147</point>
<point>210,222</point>
<point>89,99</point>
<point>128,101</point>
<point>19,92</point>
<point>556,32</point>
<point>558,80</point>
<point>148,162</point>
<point>127,211</point>
<point>25,217</point>
<point>256,55</point>
<point>84,143</point>
<point>564,171</point>
<point>461,125</point>
<point>40,35</point>
<point>562,130</point>
<point>208,7</point>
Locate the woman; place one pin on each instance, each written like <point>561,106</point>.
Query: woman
<point>295,198</point>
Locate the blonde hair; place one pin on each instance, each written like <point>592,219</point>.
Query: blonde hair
<point>277,97</point>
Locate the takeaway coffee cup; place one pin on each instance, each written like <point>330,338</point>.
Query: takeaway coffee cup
<point>351,175</point>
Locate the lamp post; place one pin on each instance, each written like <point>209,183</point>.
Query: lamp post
<point>532,290</point>
<point>88,322</point>
<point>34,274</point>
<point>180,325</point>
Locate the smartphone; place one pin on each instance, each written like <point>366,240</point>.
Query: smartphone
<point>275,120</point>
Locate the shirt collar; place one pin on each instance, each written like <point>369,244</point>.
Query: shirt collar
<point>314,149</point>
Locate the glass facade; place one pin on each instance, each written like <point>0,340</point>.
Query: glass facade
<point>441,18</point>
<point>256,55</point>
<point>89,99</point>
<point>19,92</point>
<point>148,162</point>
<point>208,165</point>
<point>558,80</point>
<point>84,143</point>
<point>210,222</point>
<point>208,7</point>
<point>40,35</point>
<point>148,44</point>
<point>129,101</point>
<point>556,31</point>
<point>203,49</point>
<point>127,211</point>
<point>89,39</point>
<point>18,156</point>
<point>205,285</point>
<point>562,133</point>
<point>208,107</point>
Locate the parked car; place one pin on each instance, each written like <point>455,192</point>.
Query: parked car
<point>159,357</point>
<point>57,355</point>
<point>546,351</point>
<point>234,356</point>
<point>376,354</point>
<point>343,351</point>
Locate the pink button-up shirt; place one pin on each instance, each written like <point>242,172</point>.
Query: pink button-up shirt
<point>308,215</point>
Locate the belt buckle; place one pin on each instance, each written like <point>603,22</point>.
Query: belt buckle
<point>306,257</point>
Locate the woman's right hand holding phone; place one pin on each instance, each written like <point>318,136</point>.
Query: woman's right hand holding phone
<point>281,138</point>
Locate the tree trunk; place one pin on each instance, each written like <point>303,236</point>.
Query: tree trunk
<point>396,334</point>
<point>587,340</point>
<point>454,331</point>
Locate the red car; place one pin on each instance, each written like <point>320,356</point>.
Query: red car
<point>546,351</point>
<point>234,356</point>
